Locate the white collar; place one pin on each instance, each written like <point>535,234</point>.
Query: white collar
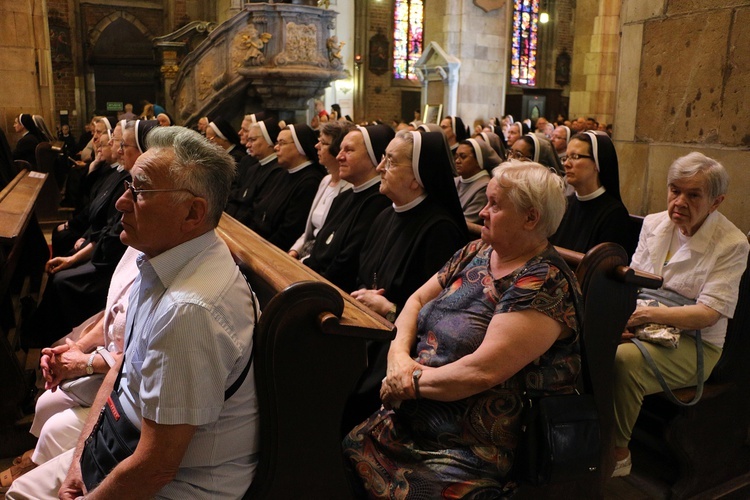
<point>591,196</point>
<point>299,167</point>
<point>475,177</point>
<point>413,203</point>
<point>368,184</point>
<point>268,159</point>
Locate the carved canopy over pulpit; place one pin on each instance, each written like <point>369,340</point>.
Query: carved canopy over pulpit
<point>276,55</point>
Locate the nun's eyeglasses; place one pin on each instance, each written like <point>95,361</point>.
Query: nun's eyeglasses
<point>123,146</point>
<point>514,154</point>
<point>388,162</point>
<point>574,156</point>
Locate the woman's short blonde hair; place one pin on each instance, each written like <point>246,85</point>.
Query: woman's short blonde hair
<point>531,185</point>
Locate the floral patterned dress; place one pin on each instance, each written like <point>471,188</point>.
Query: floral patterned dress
<point>429,449</point>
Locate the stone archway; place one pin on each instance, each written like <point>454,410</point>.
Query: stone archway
<point>121,62</point>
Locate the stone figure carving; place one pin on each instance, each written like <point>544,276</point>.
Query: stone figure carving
<point>248,47</point>
<point>334,52</point>
<point>301,46</point>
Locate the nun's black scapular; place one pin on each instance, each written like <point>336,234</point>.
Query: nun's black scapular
<point>280,217</point>
<point>254,178</point>
<point>407,247</point>
<point>337,248</point>
<point>597,218</point>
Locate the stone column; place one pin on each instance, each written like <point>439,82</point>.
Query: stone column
<point>479,40</point>
<point>595,59</point>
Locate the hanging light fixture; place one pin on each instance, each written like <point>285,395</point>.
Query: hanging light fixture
<point>543,16</point>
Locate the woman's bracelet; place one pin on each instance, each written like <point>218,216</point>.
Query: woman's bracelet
<point>415,381</point>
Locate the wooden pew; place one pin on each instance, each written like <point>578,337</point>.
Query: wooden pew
<point>23,252</point>
<point>709,441</point>
<point>310,350</point>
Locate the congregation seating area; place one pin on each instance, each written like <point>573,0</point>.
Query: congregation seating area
<point>311,348</point>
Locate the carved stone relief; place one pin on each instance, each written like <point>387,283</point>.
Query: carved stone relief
<point>301,46</point>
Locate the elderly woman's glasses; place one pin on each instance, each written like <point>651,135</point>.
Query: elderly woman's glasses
<point>136,191</point>
<point>389,164</point>
<point>573,156</point>
<point>123,146</point>
<point>514,154</point>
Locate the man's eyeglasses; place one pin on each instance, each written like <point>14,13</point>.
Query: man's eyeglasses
<point>573,156</point>
<point>136,191</point>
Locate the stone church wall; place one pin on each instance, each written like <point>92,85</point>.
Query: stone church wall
<point>25,85</point>
<point>683,85</point>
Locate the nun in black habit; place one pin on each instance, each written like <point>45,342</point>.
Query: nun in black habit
<point>222,133</point>
<point>595,212</point>
<point>336,252</point>
<point>408,242</point>
<point>256,172</point>
<point>281,216</point>
<point>26,145</point>
<point>424,226</point>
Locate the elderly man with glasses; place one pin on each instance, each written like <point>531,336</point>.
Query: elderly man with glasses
<point>179,414</point>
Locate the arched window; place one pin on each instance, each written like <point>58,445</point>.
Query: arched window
<point>408,16</point>
<point>524,42</point>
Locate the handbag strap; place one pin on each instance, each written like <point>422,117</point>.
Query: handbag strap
<point>663,383</point>
<point>237,383</point>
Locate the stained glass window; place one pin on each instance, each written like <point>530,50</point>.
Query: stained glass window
<point>524,42</point>
<point>407,37</point>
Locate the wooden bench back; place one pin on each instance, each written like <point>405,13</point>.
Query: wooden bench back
<point>49,200</point>
<point>23,251</point>
<point>310,350</point>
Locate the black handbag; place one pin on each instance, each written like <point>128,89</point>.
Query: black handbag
<point>561,440</point>
<point>112,440</point>
<point>560,436</point>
